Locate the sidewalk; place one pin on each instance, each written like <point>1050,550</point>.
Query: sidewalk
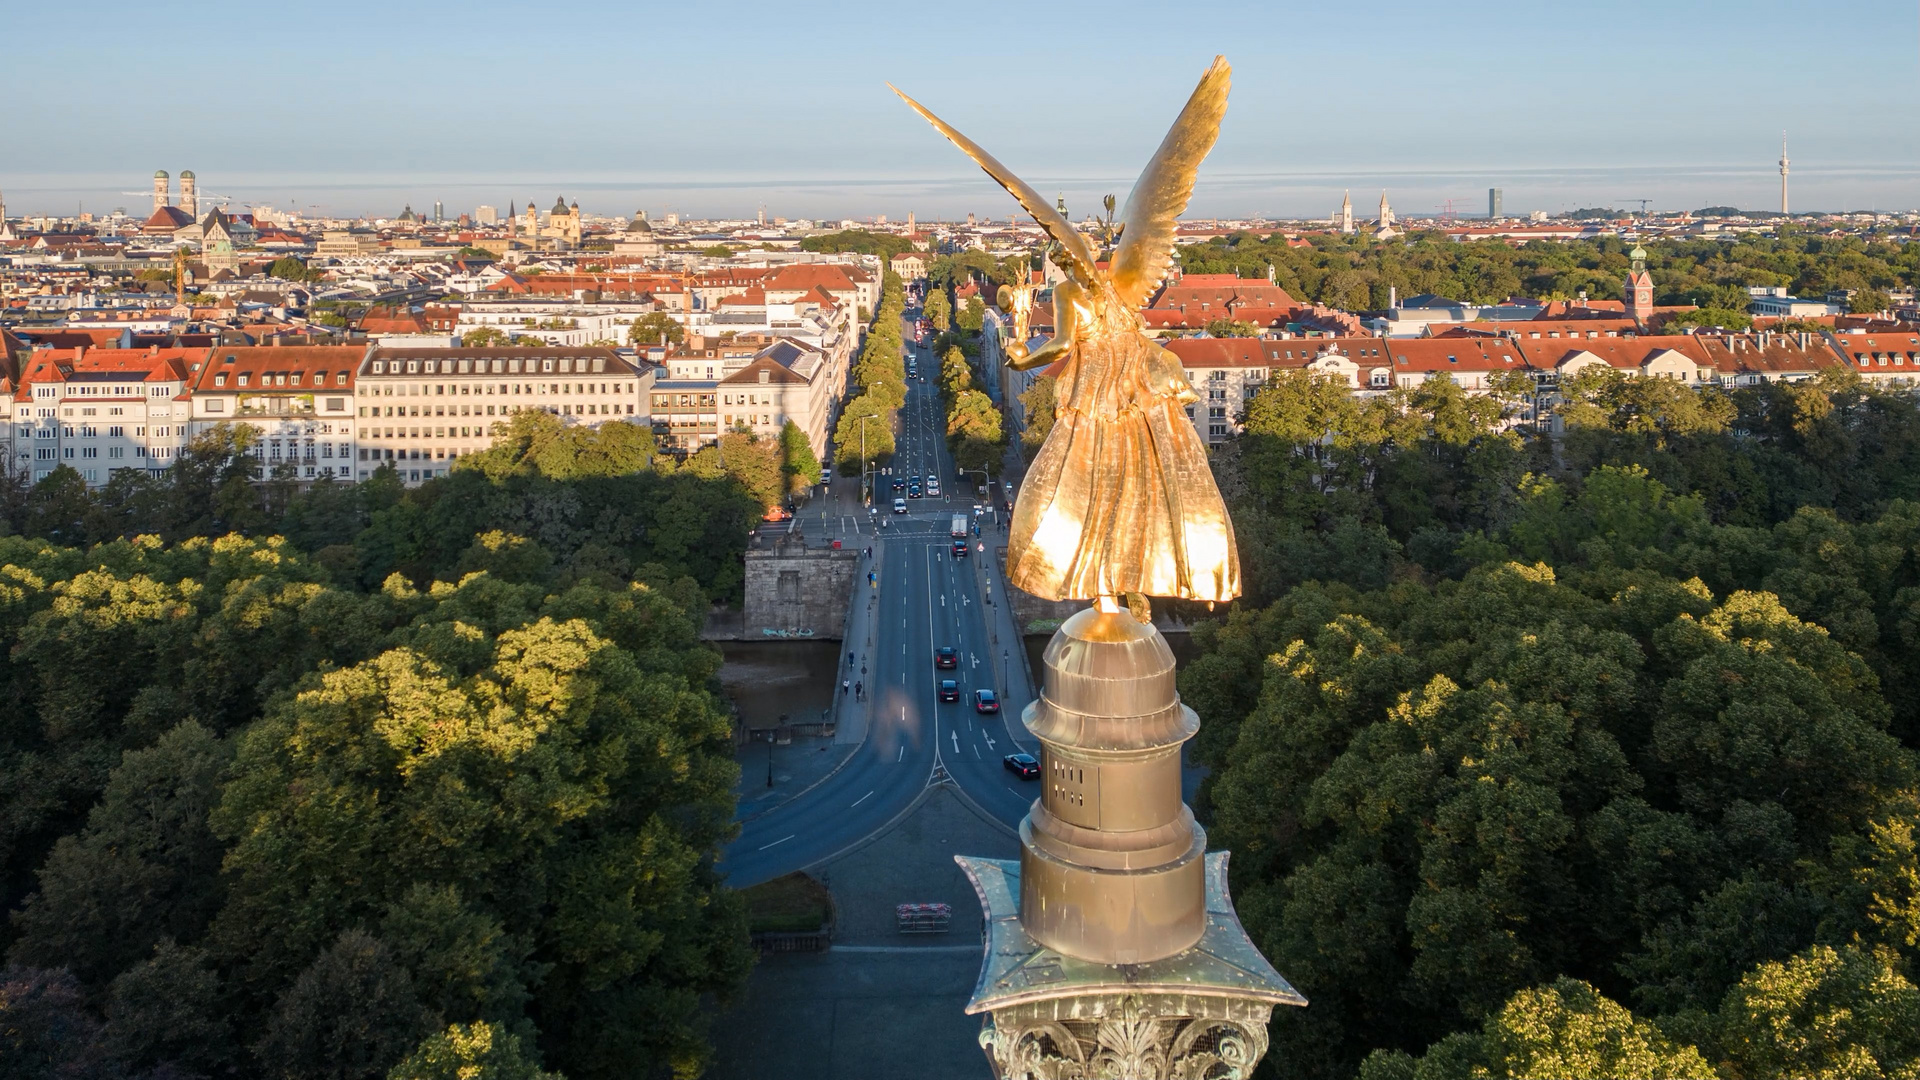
<point>851,717</point>
<point>794,768</point>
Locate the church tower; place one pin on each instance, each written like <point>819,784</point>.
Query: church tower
<point>189,197</point>
<point>1344,219</point>
<point>1639,287</point>
<point>161,195</point>
<point>1386,212</point>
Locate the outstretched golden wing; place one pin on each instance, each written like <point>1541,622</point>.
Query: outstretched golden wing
<point>1050,219</point>
<point>1160,195</point>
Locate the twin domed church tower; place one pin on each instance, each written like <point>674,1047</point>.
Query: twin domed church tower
<point>163,196</point>
<point>563,223</point>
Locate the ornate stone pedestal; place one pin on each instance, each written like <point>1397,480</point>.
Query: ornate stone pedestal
<point>1200,1013</point>
<point>1112,947</point>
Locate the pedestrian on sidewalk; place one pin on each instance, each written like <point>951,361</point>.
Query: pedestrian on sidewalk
<point>859,691</point>
<point>846,686</point>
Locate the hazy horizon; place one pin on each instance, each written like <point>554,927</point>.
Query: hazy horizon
<point>713,111</point>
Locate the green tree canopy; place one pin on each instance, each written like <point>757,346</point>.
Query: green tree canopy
<point>655,327</point>
<point>798,463</point>
<point>848,437</point>
<point>939,309</point>
<point>860,242</point>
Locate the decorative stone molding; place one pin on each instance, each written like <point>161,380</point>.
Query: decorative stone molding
<point>1133,1038</point>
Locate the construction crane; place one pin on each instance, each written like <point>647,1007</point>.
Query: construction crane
<point>207,196</point>
<point>1643,204</point>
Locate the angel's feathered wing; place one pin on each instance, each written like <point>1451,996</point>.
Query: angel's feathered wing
<point>1050,219</point>
<point>1160,195</point>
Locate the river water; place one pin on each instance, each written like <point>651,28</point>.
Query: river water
<point>766,680</point>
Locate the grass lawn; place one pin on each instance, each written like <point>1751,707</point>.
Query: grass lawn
<point>795,903</point>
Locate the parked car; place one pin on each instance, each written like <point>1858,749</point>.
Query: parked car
<point>949,690</point>
<point>985,701</point>
<point>1024,766</point>
<point>946,656</point>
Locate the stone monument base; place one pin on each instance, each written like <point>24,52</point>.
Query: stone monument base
<point>1200,1014</point>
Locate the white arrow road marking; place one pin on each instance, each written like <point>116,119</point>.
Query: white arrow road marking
<point>989,739</point>
<point>956,739</point>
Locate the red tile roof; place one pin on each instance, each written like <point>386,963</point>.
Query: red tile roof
<point>1622,353</point>
<point>278,366</point>
<point>809,276</point>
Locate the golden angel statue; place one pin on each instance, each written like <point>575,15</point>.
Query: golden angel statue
<point>1120,500</point>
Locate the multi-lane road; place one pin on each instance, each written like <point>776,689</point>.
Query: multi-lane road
<point>923,598</point>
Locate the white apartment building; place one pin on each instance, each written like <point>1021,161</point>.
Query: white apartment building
<point>298,399</point>
<point>423,409</point>
<point>750,384</point>
<point>565,324</point>
<point>98,410</point>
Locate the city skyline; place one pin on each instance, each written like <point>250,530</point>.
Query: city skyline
<point>1560,108</point>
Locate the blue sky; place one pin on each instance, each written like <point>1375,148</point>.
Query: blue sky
<point>719,108</point>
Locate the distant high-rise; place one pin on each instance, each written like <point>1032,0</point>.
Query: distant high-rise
<point>486,215</point>
<point>1783,174</point>
<point>189,195</point>
<point>1495,197</point>
<point>162,195</point>
<point>439,212</point>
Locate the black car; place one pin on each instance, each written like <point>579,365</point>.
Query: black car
<point>959,549</point>
<point>949,690</point>
<point>946,656</point>
<point>899,484</point>
<point>913,491</point>
<point>1024,766</point>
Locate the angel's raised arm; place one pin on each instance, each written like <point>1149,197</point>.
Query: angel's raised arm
<point>1069,311</point>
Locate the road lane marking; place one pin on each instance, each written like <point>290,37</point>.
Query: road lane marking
<point>976,753</point>
<point>989,738</point>
<point>865,797</point>
<point>956,739</point>
<point>1016,794</point>
<point>777,843</point>
<point>903,753</point>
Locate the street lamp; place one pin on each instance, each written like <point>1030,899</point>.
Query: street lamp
<point>866,486</point>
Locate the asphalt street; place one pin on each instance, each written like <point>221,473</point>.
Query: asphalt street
<point>923,598</point>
